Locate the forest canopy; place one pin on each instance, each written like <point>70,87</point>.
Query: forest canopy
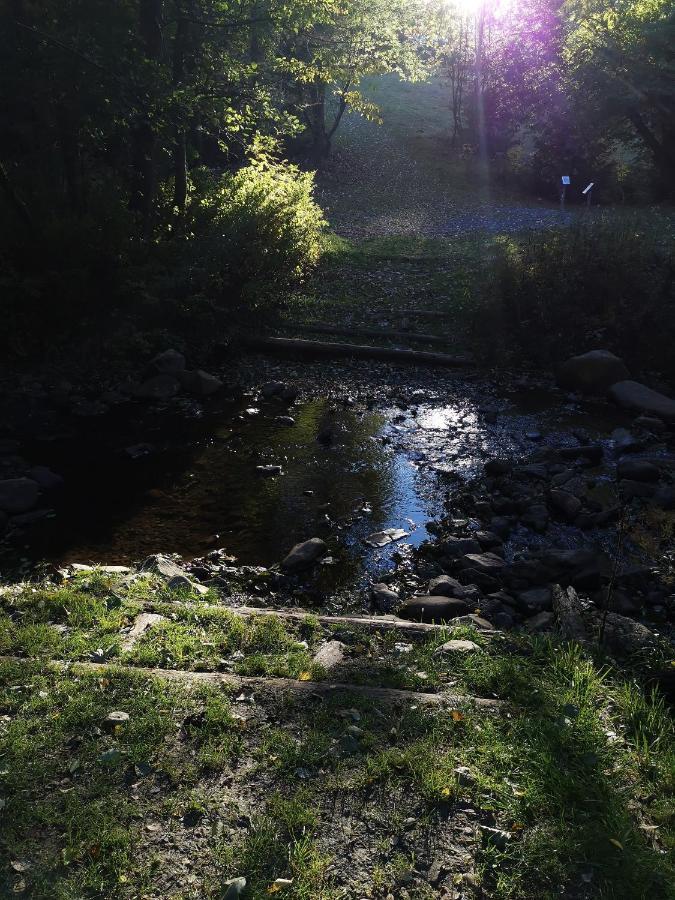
<point>124,124</point>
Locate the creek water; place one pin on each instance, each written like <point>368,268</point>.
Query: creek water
<point>188,482</point>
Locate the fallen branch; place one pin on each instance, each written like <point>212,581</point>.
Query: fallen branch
<point>372,623</point>
<point>259,683</point>
<point>323,328</point>
<point>301,347</point>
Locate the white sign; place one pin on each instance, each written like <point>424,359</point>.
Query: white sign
<point>589,188</point>
<point>566,179</point>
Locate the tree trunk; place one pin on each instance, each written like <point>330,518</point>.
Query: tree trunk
<point>142,135</point>
<point>70,153</point>
<point>663,151</point>
<point>180,143</point>
<point>15,201</point>
<point>321,140</point>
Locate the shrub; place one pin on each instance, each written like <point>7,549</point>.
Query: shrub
<point>604,281</point>
<point>257,230</point>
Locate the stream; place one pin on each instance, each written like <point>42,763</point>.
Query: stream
<point>357,460</point>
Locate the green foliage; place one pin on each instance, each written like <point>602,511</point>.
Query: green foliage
<point>604,280</point>
<point>258,229</point>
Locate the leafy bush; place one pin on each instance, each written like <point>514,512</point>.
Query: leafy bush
<point>604,281</point>
<point>257,230</point>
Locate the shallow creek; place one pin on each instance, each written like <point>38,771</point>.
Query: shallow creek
<point>187,481</point>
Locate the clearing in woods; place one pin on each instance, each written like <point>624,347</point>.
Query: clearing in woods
<point>554,784</point>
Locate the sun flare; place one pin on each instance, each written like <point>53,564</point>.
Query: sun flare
<point>472,8</point>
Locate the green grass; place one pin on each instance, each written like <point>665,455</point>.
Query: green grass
<point>574,769</point>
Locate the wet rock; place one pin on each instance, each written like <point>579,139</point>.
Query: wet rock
<point>592,453</point>
<point>487,539</point>
<point>272,389</point>
<point>458,646</point>
<point>169,362</point>
<point>159,387</point>
<point>536,517</point>
<point>454,547</point>
<point>565,503</point>
<point>534,471</point>
<point>9,446</point>
<point>636,490</point>
<point>625,442</point>
<point>199,383</point>
<point>535,599</point>
<point>497,467</point>
<point>161,565</point>
<point>304,555</point>
<point>541,621</point>
<point>445,586</point>
<point>85,409</point>
<point>268,471</point>
<point>481,580</point>
<point>29,518</point>
<point>591,373</point>
<point>384,598</point>
<point>650,423</point>
<point>486,563</point>
<point>289,393</point>
<point>501,525</point>
<point>636,396</point>
<point>433,609</point>
<point>665,496</point>
<point>18,495</point>
<point>138,451</point>
<point>382,538</point>
<point>46,479</point>
<point>637,470</point>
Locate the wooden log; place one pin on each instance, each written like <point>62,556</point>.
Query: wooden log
<point>269,683</point>
<point>324,328</point>
<point>370,623</point>
<point>301,347</point>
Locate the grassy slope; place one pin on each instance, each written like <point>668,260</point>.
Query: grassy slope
<point>389,199</point>
<point>575,771</point>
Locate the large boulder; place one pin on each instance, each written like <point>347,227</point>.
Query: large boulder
<point>433,609</point>
<point>384,598</point>
<point>638,397</point>
<point>199,383</point>
<point>637,470</point>
<point>169,362</point>
<point>445,586</point>
<point>591,373</point>
<point>159,387</point>
<point>304,555</point>
<point>485,563</point>
<point>18,495</point>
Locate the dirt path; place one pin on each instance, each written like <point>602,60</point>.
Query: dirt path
<point>403,178</point>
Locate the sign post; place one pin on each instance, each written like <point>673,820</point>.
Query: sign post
<point>587,191</point>
<point>565,181</point>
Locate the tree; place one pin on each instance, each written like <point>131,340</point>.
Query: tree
<point>622,66</point>
<point>328,59</point>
